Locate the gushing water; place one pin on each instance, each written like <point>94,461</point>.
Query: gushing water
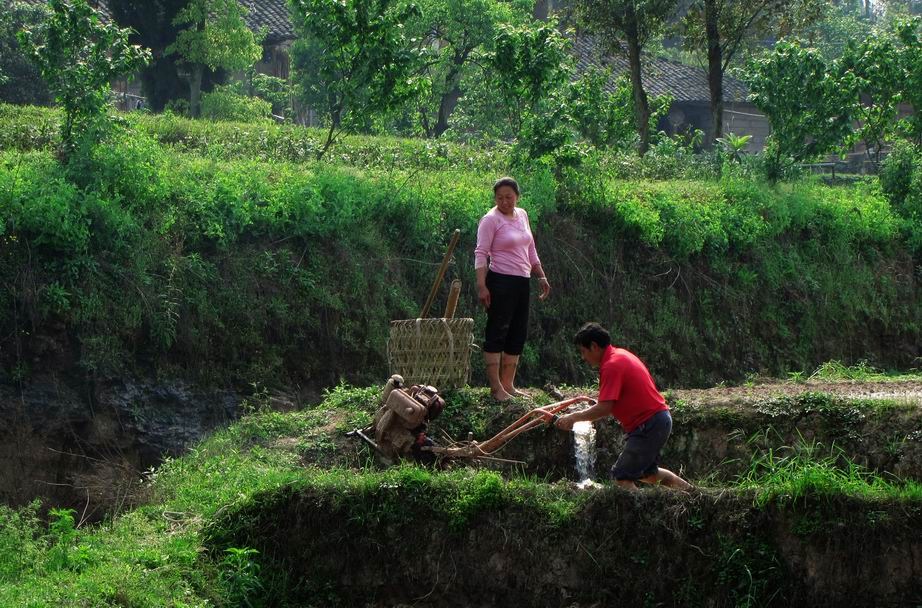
<point>584,446</point>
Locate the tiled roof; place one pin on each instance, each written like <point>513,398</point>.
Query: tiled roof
<point>273,14</point>
<point>660,76</point>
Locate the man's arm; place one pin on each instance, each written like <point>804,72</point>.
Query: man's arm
<point>599,410</point>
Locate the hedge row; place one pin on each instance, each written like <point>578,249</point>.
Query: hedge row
<point>27,128</point>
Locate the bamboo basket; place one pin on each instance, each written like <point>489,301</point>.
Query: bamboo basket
<point>432,351</point>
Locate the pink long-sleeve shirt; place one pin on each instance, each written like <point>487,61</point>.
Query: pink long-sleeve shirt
<point>507,242</point>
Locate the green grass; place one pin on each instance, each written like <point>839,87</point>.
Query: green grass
<point>788,474</point>
<point>860,372</point>
<point>150,247</point>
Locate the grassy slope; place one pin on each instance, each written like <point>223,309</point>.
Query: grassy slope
<point>218,251</point>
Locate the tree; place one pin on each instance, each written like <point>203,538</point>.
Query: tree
<point>20,81</point>
<point>152,21</point>
<point>636,22</point>
<point>528,64</point>
<point>217,37</point>
<point>875,65</point>
<point>604,118</point>
<point>351,61</point>
<point>78,56</point>
<point>909,33</point>
<point>809,103</point>
<point>449,33</point>
<point>722,29</point>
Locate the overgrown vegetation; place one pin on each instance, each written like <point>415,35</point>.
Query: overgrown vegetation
<point>148,255</point>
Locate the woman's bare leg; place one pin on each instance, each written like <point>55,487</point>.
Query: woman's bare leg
<point>492,363</point>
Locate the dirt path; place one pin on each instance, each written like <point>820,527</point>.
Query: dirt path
<point>908,390</point>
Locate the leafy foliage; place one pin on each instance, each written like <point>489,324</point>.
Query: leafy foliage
<point>450,35</point>
<point>526,64</point>
<point>635,22</point>
<point>217,37</point>
<point>602,118</point>
<point>909,33</point>
<point>875,64</point>
<point>223,104</point>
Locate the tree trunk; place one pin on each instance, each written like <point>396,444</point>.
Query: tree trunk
<point>446,107</point>
<point>715,71</point>
<point>195,89</point>
<point>452,93</point>
<point>641,105</point>
<point>541,10</point>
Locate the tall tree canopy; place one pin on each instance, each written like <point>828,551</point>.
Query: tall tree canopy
<point>449,34</point>
<point>152,22</point>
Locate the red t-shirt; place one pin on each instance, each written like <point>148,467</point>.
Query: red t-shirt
<point>624,379</point>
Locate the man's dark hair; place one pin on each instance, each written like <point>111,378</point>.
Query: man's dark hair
<point>506,181</point>
<point>592,332</point>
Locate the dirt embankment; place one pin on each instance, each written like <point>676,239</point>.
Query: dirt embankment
<point>393,547</point>
<point>718,432</point>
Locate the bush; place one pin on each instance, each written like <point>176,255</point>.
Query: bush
<point>901,180</point>
<point>897,170</point>
<point>224,105</point>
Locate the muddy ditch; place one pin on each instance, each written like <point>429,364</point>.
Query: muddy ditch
<point>85,446</point>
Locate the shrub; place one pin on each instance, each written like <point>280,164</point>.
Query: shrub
<point>224,105</point>
<point>897,170</point>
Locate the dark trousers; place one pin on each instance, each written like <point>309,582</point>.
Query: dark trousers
<point>507,317</point>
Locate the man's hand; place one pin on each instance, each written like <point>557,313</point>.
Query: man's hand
<point>565,423</point>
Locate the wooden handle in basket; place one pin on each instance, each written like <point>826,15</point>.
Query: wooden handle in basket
<point>453,295</point>
<point>441,274</point>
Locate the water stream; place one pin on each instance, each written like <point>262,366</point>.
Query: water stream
<point>584,448</point>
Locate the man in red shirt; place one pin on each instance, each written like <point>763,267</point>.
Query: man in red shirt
<point>627,392</point>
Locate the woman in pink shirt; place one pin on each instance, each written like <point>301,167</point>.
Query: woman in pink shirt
<point>505,259</point>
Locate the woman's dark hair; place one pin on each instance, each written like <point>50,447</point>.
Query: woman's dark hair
<point>592,332</point>
<point>506,181</point>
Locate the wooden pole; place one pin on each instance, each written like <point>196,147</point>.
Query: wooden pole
<point>441,274</point>
<point>453,294</point>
